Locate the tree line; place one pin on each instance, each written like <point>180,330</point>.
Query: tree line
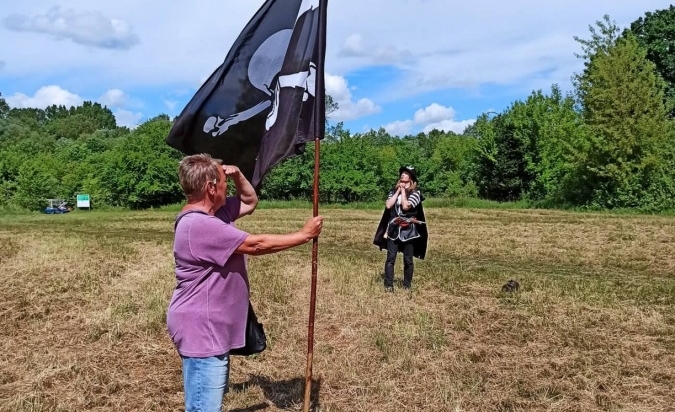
<point>609,143</point>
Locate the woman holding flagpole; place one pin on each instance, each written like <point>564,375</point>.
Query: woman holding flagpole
<point>207,315</point>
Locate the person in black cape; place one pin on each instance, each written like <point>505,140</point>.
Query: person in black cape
<point>402,228</point>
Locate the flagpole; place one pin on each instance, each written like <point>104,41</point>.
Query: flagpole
<point>319,131</point>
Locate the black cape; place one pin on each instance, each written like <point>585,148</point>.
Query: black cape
<point>419,244</point>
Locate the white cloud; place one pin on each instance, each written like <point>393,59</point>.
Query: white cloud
<point>434,113</point>
<point>45,96</point>
<point>434,116</point>
<point>171,105</point>
<point>49,95</point>
<point>89,28</point>
<point>336,87</point>
<point>354,46</point>
<point>449,125</point>
<point>478,42</point>
<point>127,118</point>
<point>113,98</point>
<point>348,109</point>
<point>399,127</point>
<point>401,49</point>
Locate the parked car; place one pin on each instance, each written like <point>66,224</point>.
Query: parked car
<point>57,210</point>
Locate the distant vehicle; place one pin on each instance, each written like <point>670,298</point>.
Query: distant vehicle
<point>57,208</point>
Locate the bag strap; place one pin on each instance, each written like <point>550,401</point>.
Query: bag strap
<point>181,215</point>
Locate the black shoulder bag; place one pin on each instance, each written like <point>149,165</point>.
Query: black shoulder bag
<point>256,340</point>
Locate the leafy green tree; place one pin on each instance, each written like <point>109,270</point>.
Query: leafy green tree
<point>547,127</point>
<point>141,171</point>
<point>4,107</point>
<point>656,33</point>
<point>15,135</point>
<point>528,150</point>
<point>506,152</point>
<point>349,170</point>
<point>603,37</point>
<point>415,151</point>
<point>10,161</point>
<point>54,112</point>
<point>17,144</point>
<point>78,120</point>
<point>451,163</point>
<point>71,127</point>
<point>387,158</point>
<point>37,181</point>
<point>30,117</point>
<point>331,106</point>
<point>622,97</point>
<point>100,116</point>
<point>291,179</point>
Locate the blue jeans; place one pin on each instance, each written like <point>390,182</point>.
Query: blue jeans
<point>205,382</point>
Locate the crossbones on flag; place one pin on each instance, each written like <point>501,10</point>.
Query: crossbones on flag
<point>266,100</point>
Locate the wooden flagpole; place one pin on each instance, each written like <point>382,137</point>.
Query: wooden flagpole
<point>319,131</point>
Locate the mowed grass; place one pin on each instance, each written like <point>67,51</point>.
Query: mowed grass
<point>84,295</point>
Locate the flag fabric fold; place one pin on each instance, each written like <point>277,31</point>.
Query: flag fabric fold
<point>266,100</point>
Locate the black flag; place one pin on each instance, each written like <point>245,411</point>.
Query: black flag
<point>266,100</point>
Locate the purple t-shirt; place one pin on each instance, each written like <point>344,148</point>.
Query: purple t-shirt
<point>208,309</point>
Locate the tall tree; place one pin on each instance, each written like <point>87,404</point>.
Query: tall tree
<point>451,164</point>
<point>547,125</point>
<point>30,117</point>
<point>656,33</point>
<point>140,172</point>
<point>603,37</point>
<point>621,96</point>
<point>500,170</point>
<point>78,120</point>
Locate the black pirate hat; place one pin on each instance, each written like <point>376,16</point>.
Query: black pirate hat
<point>409,170</point>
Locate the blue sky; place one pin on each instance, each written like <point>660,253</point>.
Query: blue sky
<point>406,65</point>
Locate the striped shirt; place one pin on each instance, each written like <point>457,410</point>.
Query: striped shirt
<point>413,199</point>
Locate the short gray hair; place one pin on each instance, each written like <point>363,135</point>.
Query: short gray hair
<point>194,171</point>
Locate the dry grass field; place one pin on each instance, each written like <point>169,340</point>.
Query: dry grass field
<point>83,298</point>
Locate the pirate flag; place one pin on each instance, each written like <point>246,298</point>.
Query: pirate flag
<point>266,100</point>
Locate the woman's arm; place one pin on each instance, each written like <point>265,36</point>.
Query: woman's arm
<point>247,196</point>
<point>405,204</point>
<point>257,245</point>
<point>410,202</point>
